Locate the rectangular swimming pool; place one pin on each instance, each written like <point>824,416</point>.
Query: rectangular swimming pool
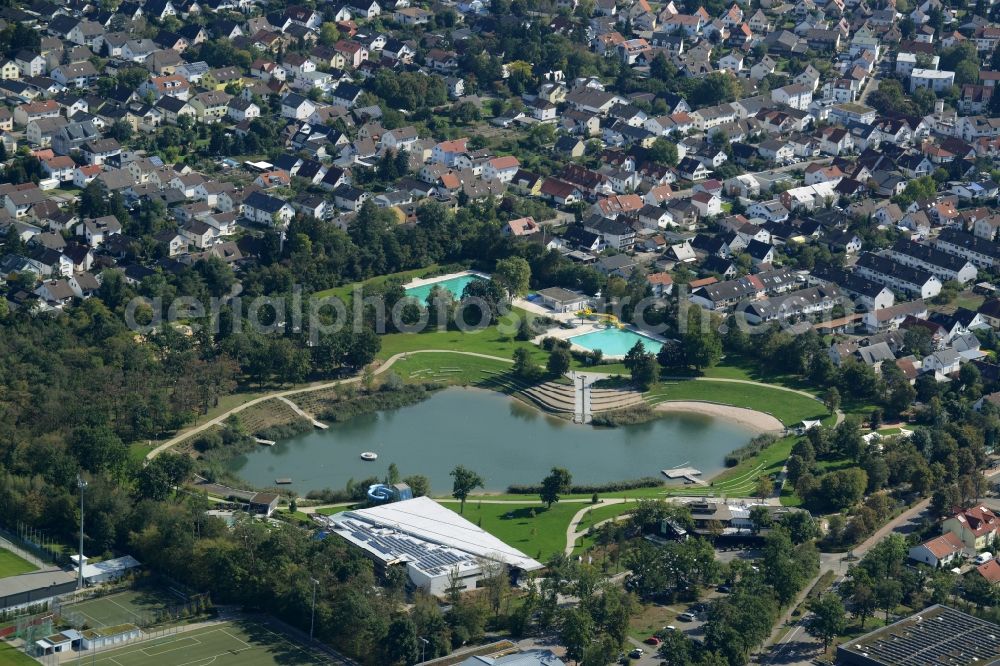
<point>615,341</point>
<point>455,285</point>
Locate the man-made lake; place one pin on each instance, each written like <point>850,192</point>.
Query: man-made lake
<point>502,439</point>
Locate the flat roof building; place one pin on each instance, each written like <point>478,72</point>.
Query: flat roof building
<point>101,572</point>
<point>936,635</point>
<point>936,80</point>
<point>436,546</point>
<point>563,300</point>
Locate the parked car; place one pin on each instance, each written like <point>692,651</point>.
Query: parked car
<point>725,588</point>
<point>982,558</point>
<point>652,640</point>
<point>686,617</point>
<point>636,653</point>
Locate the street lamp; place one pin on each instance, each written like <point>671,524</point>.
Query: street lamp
<point>312,619</point>
<point>80,484</point>
<point>423,648</point>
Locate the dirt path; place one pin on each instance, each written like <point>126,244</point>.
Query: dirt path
<point>194,430</point>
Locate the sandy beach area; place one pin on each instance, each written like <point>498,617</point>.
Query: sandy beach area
<point>749,418</point>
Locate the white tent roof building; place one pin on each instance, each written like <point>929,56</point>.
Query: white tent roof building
<point>437,546</point>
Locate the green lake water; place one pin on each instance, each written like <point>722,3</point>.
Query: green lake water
<point>502,439</point>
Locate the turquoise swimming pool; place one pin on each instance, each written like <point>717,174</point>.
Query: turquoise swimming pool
<point>455,285</point>
<point>615,341</point>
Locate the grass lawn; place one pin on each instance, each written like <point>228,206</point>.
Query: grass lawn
<point>12,565</point>
<point>496,340</point>
<point>227,644</point>
<point>735,367</point>
<point>446,368</point>
<point>650,619</point>
<point>969,300</point>
<point>539,536</point>
<point>11,656</point>
<point>789,408</point>
<point>344,292</point>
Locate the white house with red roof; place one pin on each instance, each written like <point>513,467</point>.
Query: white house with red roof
<point>660,283</point>
<point>501,168</point>
<point>976,527</point>
<point>939,551</point>
<point>446,151</point>
<point>82,175</point>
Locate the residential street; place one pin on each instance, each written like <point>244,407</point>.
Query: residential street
<point>681,194</point>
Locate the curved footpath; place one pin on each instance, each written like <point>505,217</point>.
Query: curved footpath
<point>194,430</point>
<point>573,535</point>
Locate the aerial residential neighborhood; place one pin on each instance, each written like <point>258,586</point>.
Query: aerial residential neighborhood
<point>515,332</point>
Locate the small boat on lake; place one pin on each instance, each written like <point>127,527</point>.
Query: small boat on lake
<point>369,456</point>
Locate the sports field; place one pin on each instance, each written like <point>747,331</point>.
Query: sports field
<point>12,565</point>
<point>230,643</point>
<point>133,607</point>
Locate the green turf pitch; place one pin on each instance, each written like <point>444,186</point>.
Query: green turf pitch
<point>12,565</point>
<point>133,607</point>
<point>227,644</point>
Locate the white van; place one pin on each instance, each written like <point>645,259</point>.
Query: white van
<point>982,558</point>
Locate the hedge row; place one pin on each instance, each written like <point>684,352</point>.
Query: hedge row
<point>750,449</point>
<point>587,489</point>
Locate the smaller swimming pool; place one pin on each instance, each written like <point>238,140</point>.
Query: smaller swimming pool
<point>455,285</point>
<point>615,341</point>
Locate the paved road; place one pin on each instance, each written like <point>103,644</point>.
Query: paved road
<point>872,84</point>
<point>869,89</point>
<point>680,194</point>
<point>797,647</point>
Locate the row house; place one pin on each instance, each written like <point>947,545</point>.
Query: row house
<point>918,282</point>
<point>980,251</point>
<point>943,265</point>
<point>807,302</point>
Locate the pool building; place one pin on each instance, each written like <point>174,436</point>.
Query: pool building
<point>433,544</point>
<point>562,300</point>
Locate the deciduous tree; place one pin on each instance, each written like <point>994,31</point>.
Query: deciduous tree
<point>465,481</point>
<point>557,482</point>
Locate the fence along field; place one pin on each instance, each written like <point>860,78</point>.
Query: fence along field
<point>224,644</point>
<point>143,608</point>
